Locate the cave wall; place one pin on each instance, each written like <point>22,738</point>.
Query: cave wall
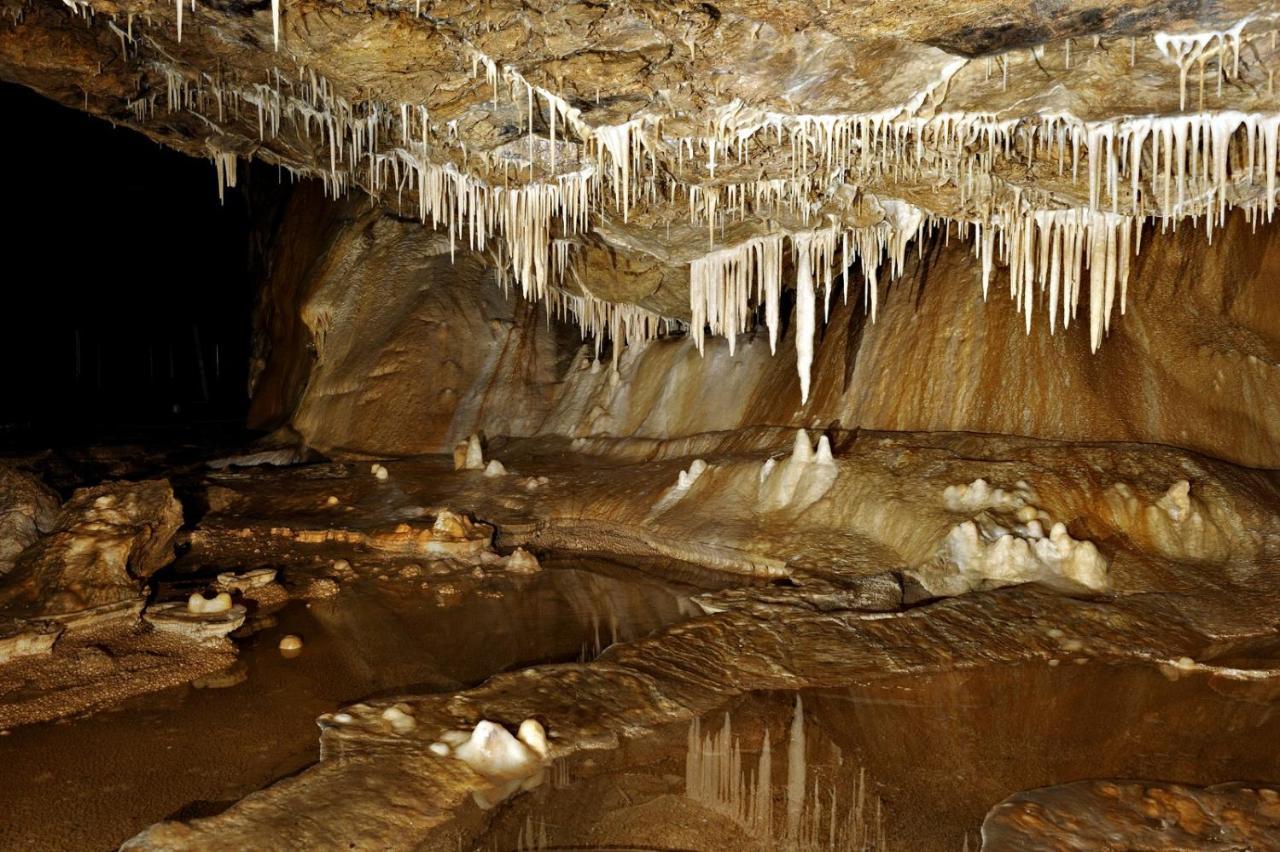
<point>371,339</point>
<point>413,352</point>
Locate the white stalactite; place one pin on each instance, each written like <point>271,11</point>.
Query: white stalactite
<point>1170,167</point>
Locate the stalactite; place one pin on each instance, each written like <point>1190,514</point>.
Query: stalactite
<point>1171,167</point>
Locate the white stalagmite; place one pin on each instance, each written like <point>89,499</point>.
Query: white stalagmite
<point>989,554</point>
<point>802,479</point>
<point>475,454</point>
<point>509,764</point>
<point>684,481</point>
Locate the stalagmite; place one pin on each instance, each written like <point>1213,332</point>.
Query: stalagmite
<point>475,454</point>
<point>201,605</point>
<point>684,481</point>
<point>802,479</point>
<point>509,764</point>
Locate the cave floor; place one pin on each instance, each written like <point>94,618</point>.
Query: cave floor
<point>883,712</point>
<point>191,750</point>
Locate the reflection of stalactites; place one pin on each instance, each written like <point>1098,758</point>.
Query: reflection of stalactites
<point>835,815</point>
<point>795,772</point>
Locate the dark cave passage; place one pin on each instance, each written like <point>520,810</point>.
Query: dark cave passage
<point>129,296</point>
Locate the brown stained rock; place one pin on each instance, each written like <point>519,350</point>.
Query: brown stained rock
<point>107,541</point>
<point>27,639</point>
<point>1141,816</point>
<point>28,509</point>
<point>100,666</point>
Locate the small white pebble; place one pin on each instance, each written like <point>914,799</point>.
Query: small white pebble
<point>292,642</point>
<point>1055,633</point>
<point>439,749</point>
<point>1185,663</point>
<point>332,501</point>
<point>343,718</point>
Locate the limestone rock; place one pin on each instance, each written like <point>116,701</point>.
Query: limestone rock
<point>177,618</point>
<point>27,638</point>
<point>935,358</point>
<point>27,509</point>
<point>106,542</point>
<point>279,457</point>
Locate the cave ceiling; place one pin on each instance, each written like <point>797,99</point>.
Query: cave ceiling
<point>631,163</point>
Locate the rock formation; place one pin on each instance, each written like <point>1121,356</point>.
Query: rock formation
<point>921,359</point>
<point>1090,814</point>
<point>27,510</point>
<point>107,540</point>
<point>569,152</point>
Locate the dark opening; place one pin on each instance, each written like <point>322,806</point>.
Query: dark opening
<point>128,291</point>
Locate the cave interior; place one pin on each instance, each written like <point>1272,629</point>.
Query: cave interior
<point>640,425</point>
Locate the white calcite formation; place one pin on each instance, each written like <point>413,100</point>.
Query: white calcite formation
<point>684,481</point>
<point>1176,502</point>
<point>979,495</point>
<point>800,480</point>
<point>398,719</point>
<point>495,468</point>
<point>508,764</point>
<point>250,581</point>
<point>379,472</point>
<point>1005,543</point>
<point>201,619</point>
<point>992,556</point>
<point>469,455</point>
<point>1182,524</point>
<point>201,605</point>
<point>522,561</point>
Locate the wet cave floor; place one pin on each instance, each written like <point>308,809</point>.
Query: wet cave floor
<point>192,750</point>
<point>695,695</point>
<point>904,762</point>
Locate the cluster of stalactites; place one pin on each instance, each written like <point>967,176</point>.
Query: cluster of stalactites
<point>1173,167</point>
<point>727,285</point>
<point>224,163</point>
<point>1049,249</point>
<point>625,324</point>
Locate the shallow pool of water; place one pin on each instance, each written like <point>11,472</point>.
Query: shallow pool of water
<point>917,761</point>
<point>93,782</point>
